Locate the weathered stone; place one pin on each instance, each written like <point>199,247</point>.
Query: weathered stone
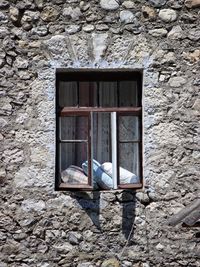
<point>3,123</point>
<point>4,4</point>
<point>196,105</point>
<point>2,62</point>
<point>128,4</point>
<point>41,30</point>
<point>29,205</point>
<point>109,4</point>
<point>157,3</point>
<point>83,6</point>
<point>194,35</point>
<point>167,15</point>
<point>3,32</point>
<point>88,28</point>
<point>14,14</point>
<point>193,56</point>
<point>73,28</point>
<point>49,13</point>
<point>21,63</point>
<point>175,33</point>
<point>149,13</point>
<point>110,263</point>
<point>177,81</point>
<point>192,3</point>
<point>102,27</point>
<point>39,3</point>
<point>158,32</point>
<point>63,247</point>
<point>73,14</point>
<point>126,16</point>
<point>3,18</point>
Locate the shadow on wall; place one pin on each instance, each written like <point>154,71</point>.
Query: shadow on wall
<point>92,203</point>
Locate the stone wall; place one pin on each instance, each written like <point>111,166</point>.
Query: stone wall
<point>43,228</point>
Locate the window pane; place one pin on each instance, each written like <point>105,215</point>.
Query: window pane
<point>74,128</point>
<point>87,94</point>
<point>72,156</point>
<point>128,128</point>
<point>129,160</point>
<point>68,94</point>
<point>108,94</point>
<point>128,94</point>
<point>101,137</point>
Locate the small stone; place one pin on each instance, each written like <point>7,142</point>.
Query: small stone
<point>14,14</point>
<point>148,13</point>
<point>84,7</point>
<point>73,14</point>
<point>3,123</point>
<point>49,14</point>
<point>71,29</point>
<point>158,32</point>
<point>21,63</point>
<point>110,263</point>
<point>102,27</point>
<point>168,15</point>
<point>157,3</point>
<point>3,18</point>
<point>126,16</point>
<point>39,3</point>
<point>128,4</point>
<point>2,62</point>
<point>193,57</point>
<point>194,35</point>
<point>63,248</point>
<point>3,32</point>
<point>177,81</point>
<point>4,4</point>
<point>74,238</point>
<point>175,33</point>
<point>109,4</point>
<point>40,30</point>
<point>159,247</point>
<point>196,105</point>
<point>88,28</point>
<point>192,3</point>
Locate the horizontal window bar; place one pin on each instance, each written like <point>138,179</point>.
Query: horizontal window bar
<point>130,141</point>
<point>73,141</point>
<point>67,111</point>
<point>130,186</point>
<point>77,186</point>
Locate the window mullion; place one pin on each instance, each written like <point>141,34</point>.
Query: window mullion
<point>90,149</point>
<point>114,148</point>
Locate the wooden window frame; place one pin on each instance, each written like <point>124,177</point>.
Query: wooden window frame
<point>96,76</point>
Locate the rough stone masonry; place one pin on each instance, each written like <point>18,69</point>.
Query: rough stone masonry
<point>43,228</point>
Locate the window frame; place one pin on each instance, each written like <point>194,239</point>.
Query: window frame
<point>78,75</point>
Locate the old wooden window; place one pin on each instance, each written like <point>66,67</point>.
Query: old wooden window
<point>98,117</point>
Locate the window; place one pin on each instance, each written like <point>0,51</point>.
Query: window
<point>98,129</point>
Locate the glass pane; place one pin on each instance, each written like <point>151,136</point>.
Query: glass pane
<point>72,156</point>
<point>87,94</point>
<point>74,128</point>
<point>129,162</point>
<point>108,94</point>
<point>128,94</point>
<point>68,94</point>
<point>101,137</point>
<point>128,128</point>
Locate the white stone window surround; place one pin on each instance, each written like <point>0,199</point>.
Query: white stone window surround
<point>61,54</point>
